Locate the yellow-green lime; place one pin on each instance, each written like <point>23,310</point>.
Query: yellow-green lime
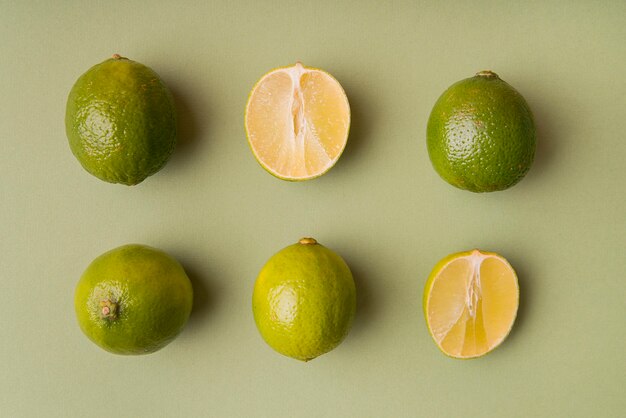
<point>481,134</point>
<point>304,300</point>
<point>120,121</point>
<point>133,299</point>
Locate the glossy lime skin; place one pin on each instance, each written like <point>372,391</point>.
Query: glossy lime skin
<point>149,294</point>
<point>121,121</point>
<point>481,134</point>
<point>304,301</point>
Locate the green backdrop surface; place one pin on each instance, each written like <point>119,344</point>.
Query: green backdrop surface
<point>382,207</point>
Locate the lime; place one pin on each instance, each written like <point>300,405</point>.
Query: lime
<point>121,121</point>
<point>297,121</point>
<point>470,303</point>
<point>481,134</point>
<point>304,300</point>
<point>133,299</point>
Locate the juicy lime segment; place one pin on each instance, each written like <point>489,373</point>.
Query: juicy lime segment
<point>297,121</point>
<point>470,303</point>
<point>304,300</point>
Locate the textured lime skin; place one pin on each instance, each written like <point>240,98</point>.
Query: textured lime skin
<point>150,295</point>
<point>481,134</point>
<point>304,301</point>
<point>121,121</point>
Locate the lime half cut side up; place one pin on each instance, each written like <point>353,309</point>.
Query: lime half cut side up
<point>470,303</point>
<point>297,121</point>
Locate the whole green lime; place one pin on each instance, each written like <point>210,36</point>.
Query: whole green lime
<point>120,121</point>
<point>481,134</point>
<point>133,299</point>
<point>304,300</point>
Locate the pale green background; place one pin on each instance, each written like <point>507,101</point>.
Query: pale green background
<point>383,208</point>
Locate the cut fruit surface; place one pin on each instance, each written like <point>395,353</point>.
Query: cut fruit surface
<point>470,303</point>
<point>297,122</point>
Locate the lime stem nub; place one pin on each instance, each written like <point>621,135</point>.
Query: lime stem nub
<point>307,241</point>
<point>109,309</point>
<point>487,74</point>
